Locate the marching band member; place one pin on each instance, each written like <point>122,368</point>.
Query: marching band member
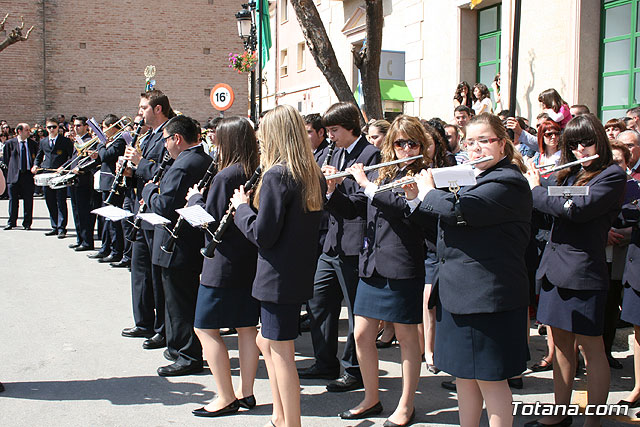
<point>224,295</point>
<point>19,154</point>
<point>180,270</point>
<point>391,266</point>
<point>481,288</point>
<point>53,152</point>
<point>573,268</point>
<point>289,200</point>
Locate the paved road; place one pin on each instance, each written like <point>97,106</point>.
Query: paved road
<point>64,363</point>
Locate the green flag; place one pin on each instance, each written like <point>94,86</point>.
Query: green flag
<point>265,29</point>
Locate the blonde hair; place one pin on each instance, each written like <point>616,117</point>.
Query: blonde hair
<point>284,141</point>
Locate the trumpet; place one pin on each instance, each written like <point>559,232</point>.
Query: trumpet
<point>372,167</point>
<point>555,168</point>
<point>402,181</point>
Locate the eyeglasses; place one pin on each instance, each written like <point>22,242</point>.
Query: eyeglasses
<point>404,143</point>
<point>485,141</point>
<point>573,145</point>
<point>551,134</point>
<point>52,127</point>
<point>166,138</point>
<point>78,125</point>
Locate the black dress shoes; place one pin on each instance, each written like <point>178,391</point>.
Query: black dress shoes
<point>170,357</point>
<point>156,341</point>
<point>313,373</point>
<point>26,227</point>
<point>110,258</point>
<point>121,264</point>
<point>8,227</point>
<point>178,369</point>
<point>515,383</point>
<point>449,385</point>
<point>634,404</point>
<point>97,255</point>
<point>374,410</point>
<point>346,382</point>
<point>248,402</point>
<point>564,423</point>
<point>614,363</point>
<point>83,248</point>
<point>137,332</point>
<point>389,423</point>
<point>74,245</point>
<point>1,387</point>
<point>62,234</point>
<point>231,408</point>
<point>51,233</point>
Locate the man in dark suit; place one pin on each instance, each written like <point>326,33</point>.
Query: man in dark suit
<point>53,152</point>
<point>180,269</point>
<point>146,281</point>
<point>19,155</point>
<point>337,270</point>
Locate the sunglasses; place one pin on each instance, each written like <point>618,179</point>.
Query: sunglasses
<point>52,127</point>
<point>573,145</point>
<point>551,134</point>
<point>404,143</point>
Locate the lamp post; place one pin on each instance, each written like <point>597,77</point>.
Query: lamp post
<point>247,31</point>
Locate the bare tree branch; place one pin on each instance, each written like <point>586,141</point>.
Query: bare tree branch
<point>15,35</point>
<point>3,21</point>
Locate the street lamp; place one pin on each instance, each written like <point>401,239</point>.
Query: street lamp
<point>247,32</point>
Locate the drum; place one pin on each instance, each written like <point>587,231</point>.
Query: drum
<point>62,181</point>
<point>42,179</point>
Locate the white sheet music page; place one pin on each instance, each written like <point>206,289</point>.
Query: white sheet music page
<point>196,215</point>
<point>112,213</point>
<point>153,218</point>
<point>460,175</point>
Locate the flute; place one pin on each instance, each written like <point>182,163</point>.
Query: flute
<point>209,250</point>
<point>571,164</point>
<point>205,182</point>
<point>400,182</point>
<point>372,167</point>
<point>156,179</point>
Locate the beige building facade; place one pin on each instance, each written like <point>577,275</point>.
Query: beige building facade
<point>585,49</point>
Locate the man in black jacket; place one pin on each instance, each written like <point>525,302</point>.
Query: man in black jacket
<point>181,268</point>
<point>53,152</point>
<point>19,155</point>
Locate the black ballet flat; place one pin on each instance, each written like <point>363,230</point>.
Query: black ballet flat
<point>634,404</point>
<point>386,344</point>
<point>389,423</point>
<point>374,410</point>
<point>564,423</point>
<point>248,402</point>
<point>229,409</point>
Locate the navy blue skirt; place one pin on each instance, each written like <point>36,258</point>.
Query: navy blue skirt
<point>580,312</point>
<point>481,346</point>
<point>430,267</point>
<point>631,306</point>
<point>225,308</point>
<point>398,301</point>
<point>279,322</point>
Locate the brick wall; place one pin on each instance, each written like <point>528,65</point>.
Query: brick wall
<point>88,58</point>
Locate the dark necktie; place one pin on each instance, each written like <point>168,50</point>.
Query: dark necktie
<point>343,159</point>
<point>23,156</point>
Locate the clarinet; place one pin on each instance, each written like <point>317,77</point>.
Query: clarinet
<point>204,183</point>
<point>208,251</point>
<point>156,179</point>
<point>119,180</point>
<point>327,160</point>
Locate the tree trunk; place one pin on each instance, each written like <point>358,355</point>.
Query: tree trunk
<point>368,60</point>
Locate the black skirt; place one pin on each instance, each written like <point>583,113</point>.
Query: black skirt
<point>481,346</point>
<point>577,311</point>
<point>392,300</point>
<point>225,308</point>
<point>279,322</point>
<point>631,306</point>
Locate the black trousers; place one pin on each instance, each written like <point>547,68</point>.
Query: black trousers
<point>147,294</point>
<point>611,312</point>
<point>84,220</point>
<point>336,278</point>
<point>181,291</point>
<point>23,189</point>
<point>112,235</point>
<point>57,206</point>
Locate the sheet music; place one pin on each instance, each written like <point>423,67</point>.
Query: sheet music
<point>127,138</point>
<point>460,175</point>
<point>196,215</point>
<point>112,213</point>
<point>153,218</point>
<point>95,127</point>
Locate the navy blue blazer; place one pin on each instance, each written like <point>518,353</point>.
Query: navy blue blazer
<point>286,237</point>
<point>482,264</point>
<point>630,217</point>
<point>85,177</point>
<point>320,153</point>
<point>11,157</point>
<point>574,257</point>
<point>346,236</point>
<point>108,156</point>
<point>153,150</point>
<point>393,245</point>
<point>234,260</point>
<point>54,157</point>
<point>169,195</point>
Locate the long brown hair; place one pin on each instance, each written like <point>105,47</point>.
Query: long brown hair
<point>414,130</point>
<point>498,128</point>
<point>237,143</point>
<point>583,128</point>
<point>284,141</point>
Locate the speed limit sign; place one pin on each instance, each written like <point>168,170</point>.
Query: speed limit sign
<point>222,97</point>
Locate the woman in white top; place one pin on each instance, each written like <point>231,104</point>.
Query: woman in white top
<point>481,99</point>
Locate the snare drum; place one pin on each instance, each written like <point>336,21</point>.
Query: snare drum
<point>42,179</point>
<point>63,181</point>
